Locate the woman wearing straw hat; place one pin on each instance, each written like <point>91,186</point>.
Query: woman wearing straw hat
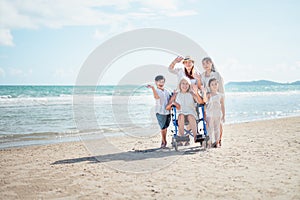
<point>188,71</point>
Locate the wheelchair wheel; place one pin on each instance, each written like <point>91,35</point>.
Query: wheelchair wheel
<point>206,144</point>
<point>174,144</point>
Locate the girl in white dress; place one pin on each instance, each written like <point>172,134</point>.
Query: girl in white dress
<point>185,101</point>
<point>209,73</point>
<point>215,112</point>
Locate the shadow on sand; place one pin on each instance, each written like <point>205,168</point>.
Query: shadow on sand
<point>132,155</point>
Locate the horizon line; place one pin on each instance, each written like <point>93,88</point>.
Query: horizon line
<point>288,82</point>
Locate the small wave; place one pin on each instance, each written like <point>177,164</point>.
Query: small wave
<point>65,95</point>
<point>5,96</point>
<point>250,94</point>
<point>24,96</point>
<point>32,101</point>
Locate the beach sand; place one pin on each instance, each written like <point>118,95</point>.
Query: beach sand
<point>258,160</point>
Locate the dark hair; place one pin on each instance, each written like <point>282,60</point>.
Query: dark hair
<point>210,60</point>
<point>159,77</point>
<point>211,80</point>
<point>189,75</point>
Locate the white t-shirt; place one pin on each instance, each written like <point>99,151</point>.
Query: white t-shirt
<point>162,102</point>
<point>187,104</point>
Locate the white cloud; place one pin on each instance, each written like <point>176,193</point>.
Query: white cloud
<point>6,39</point>
<point>100,34</point>
<point>33,14</point>
<point>159,4</point>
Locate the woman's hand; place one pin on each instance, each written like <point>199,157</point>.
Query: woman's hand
<point>173,97</point>
<point>204,94</point>
<point>223,119</point>
<point>197,76</point>
<point>178,59</point>
<point>194,88</point>
<point>203,89</point>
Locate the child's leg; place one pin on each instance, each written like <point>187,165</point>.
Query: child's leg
<point>217,122</point>
<point>210,129</point>
<point>164,136</point>
<point>163,121</point>
<point>181,124</point>
<point>193,126</point>
<point>221,133</point>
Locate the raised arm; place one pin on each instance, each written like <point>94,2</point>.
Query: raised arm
<point>204,92</point>
<point>173,102</point>
<point>173,63</point>
<point>199,81</point>
<point>154,91</point>
<point>196,95</point>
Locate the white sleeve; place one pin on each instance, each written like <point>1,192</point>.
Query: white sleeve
<point>178,98</point>
<point>174,70</point>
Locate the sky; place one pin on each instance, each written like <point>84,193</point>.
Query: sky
<point>47,42</point>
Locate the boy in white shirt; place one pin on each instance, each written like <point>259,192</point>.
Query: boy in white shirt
<point>163,116</point>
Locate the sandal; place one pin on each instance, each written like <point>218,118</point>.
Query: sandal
<point>163,145</point>
<point>214,145</point>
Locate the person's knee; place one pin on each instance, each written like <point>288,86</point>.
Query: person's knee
<point>181,118</point>
<point>191,119</point>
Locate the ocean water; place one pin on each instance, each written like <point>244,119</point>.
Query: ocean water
<point>33,115</point>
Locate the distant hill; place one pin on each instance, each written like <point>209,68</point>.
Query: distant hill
<point>261,82</point>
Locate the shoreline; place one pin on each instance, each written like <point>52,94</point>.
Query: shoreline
<point>77,138</point>
<point>257,160</point>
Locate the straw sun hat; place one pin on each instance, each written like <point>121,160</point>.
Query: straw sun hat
<point>187,58</point>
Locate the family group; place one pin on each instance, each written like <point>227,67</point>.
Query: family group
<point>193,88</point>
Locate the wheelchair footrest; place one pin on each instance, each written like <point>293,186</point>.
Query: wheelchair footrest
<point>200,138</point>
<point>184,138</point>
